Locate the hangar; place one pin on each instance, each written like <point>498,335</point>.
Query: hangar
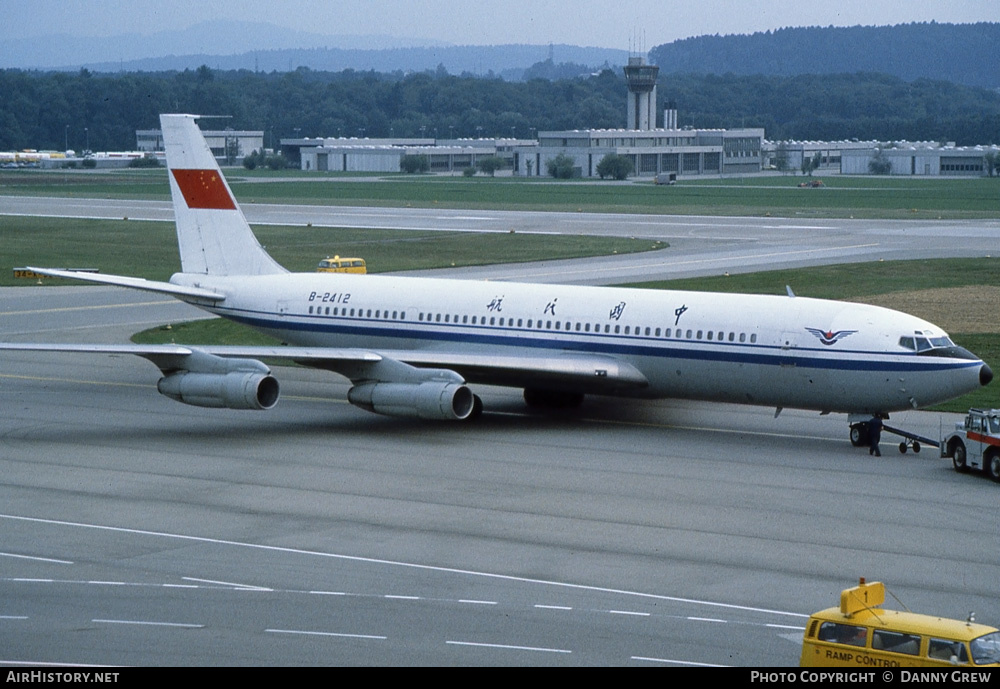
<point>384,155</point>
<point>921,158</point>
<point>918,158</point>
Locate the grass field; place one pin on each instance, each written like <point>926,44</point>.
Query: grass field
<point>149,249</point>
<point>777,196</point>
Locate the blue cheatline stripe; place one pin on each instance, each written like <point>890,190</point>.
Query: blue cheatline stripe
<point>768,355</point>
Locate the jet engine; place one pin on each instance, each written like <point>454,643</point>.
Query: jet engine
<point>428,400</point>
<point>232,390</point>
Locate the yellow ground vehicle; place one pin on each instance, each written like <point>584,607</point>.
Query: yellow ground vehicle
<point>861,634</point>
<point>342,265</point>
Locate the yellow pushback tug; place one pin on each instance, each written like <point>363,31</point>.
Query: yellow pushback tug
<point>860,634</point>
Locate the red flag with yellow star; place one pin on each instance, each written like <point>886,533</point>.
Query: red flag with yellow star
<point>204,189</point>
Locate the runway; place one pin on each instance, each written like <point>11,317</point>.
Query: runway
<point>698,245</point>
<point>139,531</point>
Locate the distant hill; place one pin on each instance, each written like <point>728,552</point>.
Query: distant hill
<point>961,53</point>
<point>207,40</point>
<point>233,45</point>
<point>508,61</point>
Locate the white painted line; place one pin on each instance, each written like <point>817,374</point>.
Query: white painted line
<point>39,559</point>
<point>346,636</point>
<point>402,597</point>
<point>553,607</point>
<point>150,623</point>
<point>705,619</point>
<point>13,617</point>
<point>242,587</point>
<point>629,612</point>
<point>95,307</point>
<point>398,563</point>
<point>328,593</point>
<point>47,664</point>
<point>107,583</point>
<point>676,662</point>
<point>478,602</point>
<point>508,647</point>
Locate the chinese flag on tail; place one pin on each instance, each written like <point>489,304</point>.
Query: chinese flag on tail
<point>204,189</point>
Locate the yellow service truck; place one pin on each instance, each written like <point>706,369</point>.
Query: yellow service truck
<point>861,634</point>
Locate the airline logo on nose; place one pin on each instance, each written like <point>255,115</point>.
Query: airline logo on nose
<point>204,189</point>
<point>829,337</point>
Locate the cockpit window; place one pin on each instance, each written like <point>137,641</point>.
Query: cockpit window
<point>920,343</point>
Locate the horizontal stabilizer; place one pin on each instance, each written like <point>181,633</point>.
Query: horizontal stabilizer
<point>134,283</point>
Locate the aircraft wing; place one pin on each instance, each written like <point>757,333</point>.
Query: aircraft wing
<point>585,372</point>
<point>134,283</point>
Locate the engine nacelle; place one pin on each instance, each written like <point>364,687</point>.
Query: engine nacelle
<point>427,400</point>
<point>234,390</point>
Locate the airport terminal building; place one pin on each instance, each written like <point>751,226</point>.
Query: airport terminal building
<point>653,151</point>
<point>682,151</point>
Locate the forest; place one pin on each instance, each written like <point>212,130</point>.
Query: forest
<point>57,110</point>
<point>961,53</point>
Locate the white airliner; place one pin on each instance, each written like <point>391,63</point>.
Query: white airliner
<point>411,346</point>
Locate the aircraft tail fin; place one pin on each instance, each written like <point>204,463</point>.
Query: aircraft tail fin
<point>212,232</point>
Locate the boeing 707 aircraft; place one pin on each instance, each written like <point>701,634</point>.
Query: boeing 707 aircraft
<point>412,346</point>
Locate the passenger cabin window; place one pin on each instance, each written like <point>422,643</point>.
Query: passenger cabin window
<point>895,642</point>
<point>843,634</point>
<point>946,649</point>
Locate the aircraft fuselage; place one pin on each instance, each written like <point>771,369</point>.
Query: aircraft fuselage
<point>783,351</point>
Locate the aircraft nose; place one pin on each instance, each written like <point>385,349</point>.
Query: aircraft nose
<point>985,375</point>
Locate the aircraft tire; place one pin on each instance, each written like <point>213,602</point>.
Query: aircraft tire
<point>958,457</point>
<point>859,434</point>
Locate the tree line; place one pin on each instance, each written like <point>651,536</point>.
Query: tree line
<point>56,110</point>
<point>961,53</point>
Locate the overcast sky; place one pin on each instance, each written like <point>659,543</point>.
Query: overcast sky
<point>626,24</point>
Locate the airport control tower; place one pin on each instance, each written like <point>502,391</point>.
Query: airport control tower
<point>641,79</point>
